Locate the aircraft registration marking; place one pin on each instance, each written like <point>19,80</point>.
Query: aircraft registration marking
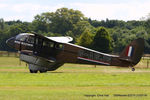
<point>93,60</point>
<point>94,56</point>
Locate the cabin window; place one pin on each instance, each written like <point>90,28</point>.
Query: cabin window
<point>59,46</point>
<point>30,39</point>
<point>36,41</point>
<point>39,42</point>
<point>48,44</point>
<point>45,43</point>
<point>51,44</point>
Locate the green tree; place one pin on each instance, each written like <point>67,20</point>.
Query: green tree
<point>2,24</point>
<point>102,41</point>
<point>79,28</point>
<point>147,25</point>
<point>61,21</point>
<point>40,24</point>
<point>19,28</point>
<point>85,39</point>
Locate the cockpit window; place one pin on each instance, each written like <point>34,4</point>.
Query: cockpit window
<point>25,38</point>
<point>21,37</point>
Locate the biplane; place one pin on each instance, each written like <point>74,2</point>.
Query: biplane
<point>44,54</point>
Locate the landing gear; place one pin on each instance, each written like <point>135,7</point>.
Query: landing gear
<point>35,68</point>
<point>131,66</point>
<point>43,71</point>
<point>133,69</point>
<point>33,71</point>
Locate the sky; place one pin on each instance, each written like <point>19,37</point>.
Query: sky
<point>25,10</point>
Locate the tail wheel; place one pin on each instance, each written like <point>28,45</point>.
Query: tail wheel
<point>133,69</point>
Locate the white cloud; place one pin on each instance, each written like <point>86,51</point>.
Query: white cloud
<point>3,5</point>
<point>122,11</point>
<point>26,12</point>
<point>30,9</point>
<point>15,18</point>
<point>132,10</point>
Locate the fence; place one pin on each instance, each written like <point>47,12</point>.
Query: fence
<point>146,60</point>
<point>8,54</point>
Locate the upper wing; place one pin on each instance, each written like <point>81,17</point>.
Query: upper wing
<point>61,39</point>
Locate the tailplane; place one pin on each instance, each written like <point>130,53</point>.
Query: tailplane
<point>133,52</point>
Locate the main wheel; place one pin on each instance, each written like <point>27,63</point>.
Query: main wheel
<point>33,71</point>
<point>43,71</point>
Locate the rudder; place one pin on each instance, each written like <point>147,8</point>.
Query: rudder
<point>133,52</point>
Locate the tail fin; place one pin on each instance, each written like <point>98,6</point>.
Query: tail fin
<point>133,52</point>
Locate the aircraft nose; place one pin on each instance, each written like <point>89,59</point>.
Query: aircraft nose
<point>10,42</point>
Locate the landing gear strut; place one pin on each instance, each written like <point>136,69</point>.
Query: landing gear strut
<point>131,66</point>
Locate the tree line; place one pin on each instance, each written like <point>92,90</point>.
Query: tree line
<point>104,36</point>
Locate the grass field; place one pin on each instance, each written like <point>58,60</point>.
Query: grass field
<point>73,82</point>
